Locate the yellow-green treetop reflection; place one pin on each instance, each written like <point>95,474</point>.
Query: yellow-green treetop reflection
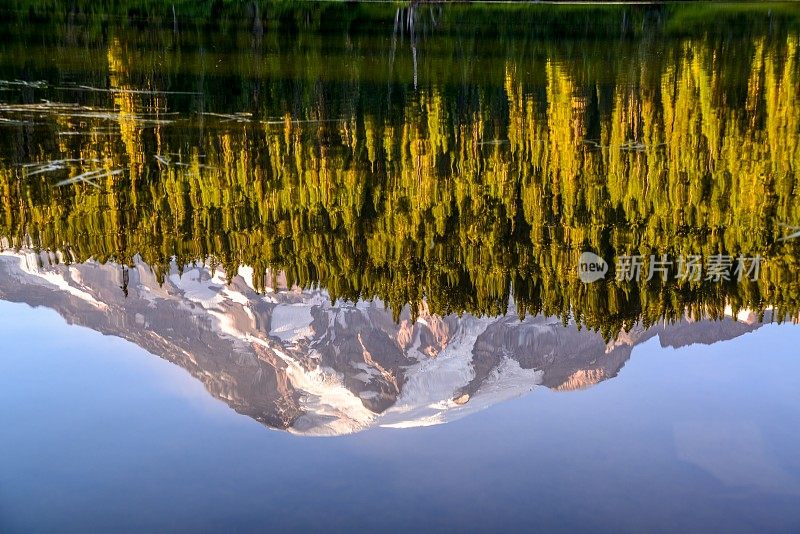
<point>461,194</point>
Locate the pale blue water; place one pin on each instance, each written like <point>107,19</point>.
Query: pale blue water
<point>98,434</point>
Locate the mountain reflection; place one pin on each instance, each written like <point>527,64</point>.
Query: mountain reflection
<point>426,209</point>
<point>296,361</point>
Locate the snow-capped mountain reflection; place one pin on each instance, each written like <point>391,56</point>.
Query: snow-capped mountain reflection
<point>293,360</point>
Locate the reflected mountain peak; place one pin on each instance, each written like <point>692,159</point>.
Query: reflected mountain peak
<point>383,227</point>
<point>294,360</point>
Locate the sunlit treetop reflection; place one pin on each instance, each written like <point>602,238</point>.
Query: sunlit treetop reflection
<point>409,177</point>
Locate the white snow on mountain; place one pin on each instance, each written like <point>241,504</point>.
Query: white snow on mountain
<point>360,370</point>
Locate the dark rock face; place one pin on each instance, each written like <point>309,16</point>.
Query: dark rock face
<point>293,361</point>
<point>544,343</point>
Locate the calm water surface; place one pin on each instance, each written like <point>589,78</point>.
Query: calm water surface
<point>227,231</point>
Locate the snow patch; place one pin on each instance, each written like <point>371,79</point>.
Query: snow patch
<point>432,383</point>
<point>28,264</point>
<point>206,292</point>
<point>291,322</point>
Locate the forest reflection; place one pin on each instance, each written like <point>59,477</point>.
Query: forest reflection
<point>374,170</point>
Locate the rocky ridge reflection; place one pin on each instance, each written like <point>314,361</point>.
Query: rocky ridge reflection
<point>294,361</point>
<point>449,183</point>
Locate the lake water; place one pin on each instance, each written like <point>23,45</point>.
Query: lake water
<point>338,266</point>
